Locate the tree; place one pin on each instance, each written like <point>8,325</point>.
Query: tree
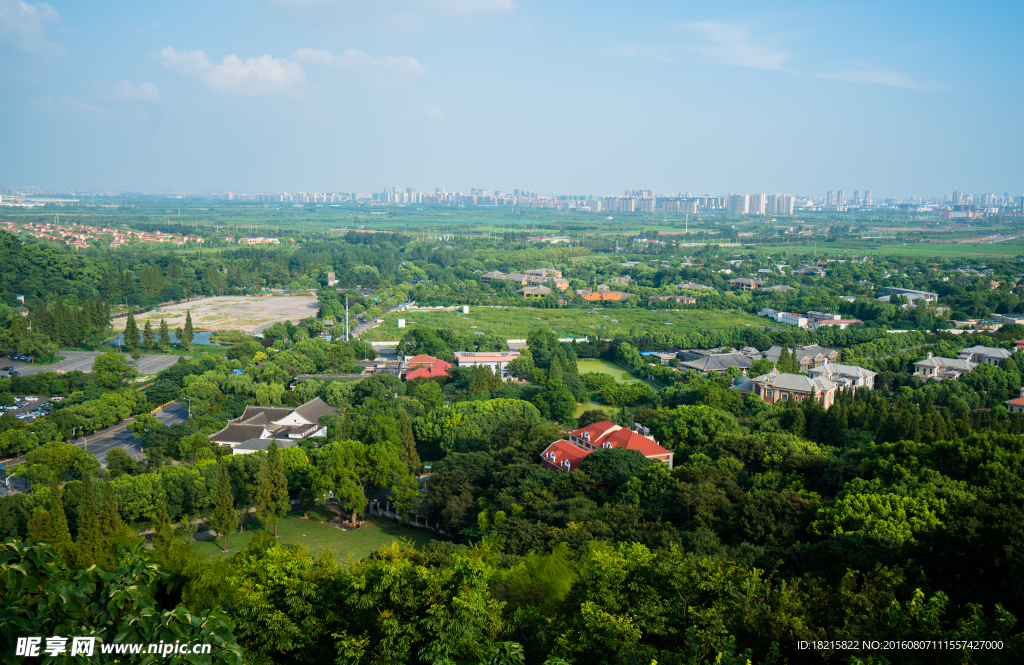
<point>61,532</point>
<point>272,493</point>
<point>555,401</point>
<point>165,334</point>
<point>188,334</point>
<point>223,519</point>
<point>147,335</point>
<point>55,597</point>
<point>89,542</point>
<point>787,362</point>
<point>131,332</point>
<point>112,370</point>
<point>143,425</point>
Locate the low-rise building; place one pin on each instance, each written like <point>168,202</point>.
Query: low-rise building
<point>567,454</point>
<point>692,286</point>
<point>717,363</point>
<point>682,300</point>
<point>1016,405</point>
<point>625,279</point>
<point>534,291</point>
<point>496,361</point>
<point>424,367</point>
<point>745,283</point>
<point>775,387</point>
<point>984,354</point>
<point>842,324</point>
<point>274,422</point>
<point>602,293</point>
<point>934,367</point>
<point>806,356</point>
<point>846,377</point>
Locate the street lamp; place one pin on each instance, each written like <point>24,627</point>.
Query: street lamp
<point>189,407</point>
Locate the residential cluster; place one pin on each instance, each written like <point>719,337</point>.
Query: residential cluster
<point>80,235</point>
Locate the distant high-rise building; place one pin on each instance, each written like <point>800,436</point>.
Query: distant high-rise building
<point>840,198</point>
<point>867,197</point>
<point>958,197</point>
<point>739,204</point>
<point>828,199</point>
<point>758,203</point>
<point>515,192</point>
<point>856,196</point>
<point>986,199</point>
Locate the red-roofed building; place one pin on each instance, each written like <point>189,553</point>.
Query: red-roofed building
<point>1016,405</point>
<point>425,367</point>
<point>565,455</point>
<point>1019,344</point>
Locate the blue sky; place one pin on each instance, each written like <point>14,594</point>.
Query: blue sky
<point>902,98</point>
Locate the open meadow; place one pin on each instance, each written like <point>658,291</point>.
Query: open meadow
<point>319,536</point>
<point>516,322</point>
<point>244,313</point>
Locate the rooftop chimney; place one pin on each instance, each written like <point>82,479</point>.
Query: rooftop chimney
<point>928,356</point>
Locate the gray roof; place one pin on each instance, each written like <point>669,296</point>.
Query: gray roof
<point>829,369</point>
<point>272,413</point>
<point>691,286</point>
<point>719,362</point>
<point>987,351</point>
<point>264,444</point>
<point>236,433</point>
<point>315,409</point>
<point>797,382</point>
<point>955,363</point>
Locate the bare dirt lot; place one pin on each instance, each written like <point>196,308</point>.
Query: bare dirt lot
<point>245,313</point>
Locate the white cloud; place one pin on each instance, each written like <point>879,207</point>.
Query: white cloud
<point>264,75</point>
<point>731,44</point>
<point>23,26</point>
<point>429,111</point>
<point>356,59</point>
<point>125,91</point>
<point>865,73</point>
<point>81,106</point>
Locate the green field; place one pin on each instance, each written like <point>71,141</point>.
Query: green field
<point>621,374</point>
<point>319,537</point>
<point>516,322</point>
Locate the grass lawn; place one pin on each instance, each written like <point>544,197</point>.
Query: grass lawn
<point>516,322</point>
<point>318,536</point>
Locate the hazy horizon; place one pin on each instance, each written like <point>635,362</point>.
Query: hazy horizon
<point>319,95</point>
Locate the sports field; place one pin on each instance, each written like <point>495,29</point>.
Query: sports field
<point>516,322</point>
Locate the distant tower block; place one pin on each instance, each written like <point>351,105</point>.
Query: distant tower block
<point>465,309</point>
<point>401,323</point>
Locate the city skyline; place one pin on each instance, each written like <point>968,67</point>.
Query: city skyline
<point>303,94</point>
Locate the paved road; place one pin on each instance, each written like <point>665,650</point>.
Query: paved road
<point>83,360</point>
<point>360,329</point>
<point>101,442</point>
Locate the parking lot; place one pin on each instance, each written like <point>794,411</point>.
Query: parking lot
<point>82,361</point>
<point>28,409</point>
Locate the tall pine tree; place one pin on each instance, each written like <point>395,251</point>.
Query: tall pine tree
<point>165,334</point>
<point>147,335</point>
<point>223,519</point>
<point>131,332</point>
<point>272,492</point>
<point>61,533</point>
<point>189,333</point>
<point>89,543</point>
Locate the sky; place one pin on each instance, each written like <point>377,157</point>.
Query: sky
<point>557,97</point>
